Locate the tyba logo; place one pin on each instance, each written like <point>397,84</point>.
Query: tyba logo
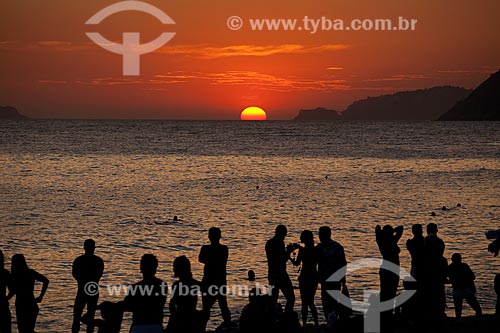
<point>131,49</point>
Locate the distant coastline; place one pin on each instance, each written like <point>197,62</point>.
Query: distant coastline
<point>11,113</point>
<point>437,103</point>
<point>416,105</point>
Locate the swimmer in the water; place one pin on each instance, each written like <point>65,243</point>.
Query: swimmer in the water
<point>251,275</point>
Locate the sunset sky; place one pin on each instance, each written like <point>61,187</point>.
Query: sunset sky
<point>51,69</point>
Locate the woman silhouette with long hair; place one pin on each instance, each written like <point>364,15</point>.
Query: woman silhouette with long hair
<point>308,278</point>
<point>23,285</point>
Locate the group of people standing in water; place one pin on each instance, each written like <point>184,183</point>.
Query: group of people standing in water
<point>429,268</point>
<point>318,263</point>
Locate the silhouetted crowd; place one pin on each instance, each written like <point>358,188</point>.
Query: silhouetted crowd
<point>319,263</point>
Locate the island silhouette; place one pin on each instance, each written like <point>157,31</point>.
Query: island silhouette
<point>10,113</point>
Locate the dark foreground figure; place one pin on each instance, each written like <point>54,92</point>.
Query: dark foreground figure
<point>435,268</point>
<point>462,279</point>
<point>387,240</point>
<point>262,315</point>
<point>308,278</point>
<point>277,257</point>
<point>23,285</point>
<point>184,318</point>
<point>147,308</point>
<point>331,258</point>
<point>111,318</point>
<point>214,281</point>
<point>86,268</point>
<point>5,283</point>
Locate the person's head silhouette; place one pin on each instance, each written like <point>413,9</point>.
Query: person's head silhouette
<point>325,234</point>
<point>281,232</point>
<point>214,235</point>
<point>89,246</point>
<point>456,258</point>
<point>2,260</point>
<point>19,265</point>
<point>149,265</point>
<point>182,267</point>
<point>307,238</point>
<point>388,229</point>
<point>432,229</point>
<point>417,229</point>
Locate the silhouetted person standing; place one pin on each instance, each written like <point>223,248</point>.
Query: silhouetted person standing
<point>387,241</point>
<point>184,318</point>
<point>214,281</point>
<point>23,285</point>
<point>308,278</point>
<point>416,247</point>
<point>87,268</point>
<point>434,276</point>
<point>462,279</point>
<point>5,283</point>
<point>147,308</point>
<point>277,257</point>
<point>331,258</point>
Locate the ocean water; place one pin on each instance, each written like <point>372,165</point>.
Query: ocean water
<point>122,182</point>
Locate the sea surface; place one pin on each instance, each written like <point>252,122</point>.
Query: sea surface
<point>121,183</point>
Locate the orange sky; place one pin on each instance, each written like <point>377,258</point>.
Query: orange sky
<point>50,69</point>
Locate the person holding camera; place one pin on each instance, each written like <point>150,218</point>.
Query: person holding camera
<point>277,257</point>
<point>308,278</point>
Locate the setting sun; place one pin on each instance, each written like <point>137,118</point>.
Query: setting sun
<point>253,113</point>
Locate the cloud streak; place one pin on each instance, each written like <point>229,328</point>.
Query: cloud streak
<point>211,52</point>
<point>203,51</point>
<point>53,45</point>
<point>250,79</point>
<point>400,77</point>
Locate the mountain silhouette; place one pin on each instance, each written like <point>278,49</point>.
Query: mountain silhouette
<point>422,104</point>
<point>10,113</point>
<point>482,104</point>
<point>318,114</point>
